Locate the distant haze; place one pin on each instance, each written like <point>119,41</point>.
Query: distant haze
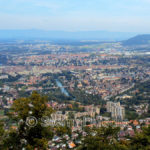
<point>80,35</point>
<point>76,15</point>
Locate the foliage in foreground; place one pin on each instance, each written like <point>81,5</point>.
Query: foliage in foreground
<point>106,138</point>
<point>26,135</point>
<point>103,138</point>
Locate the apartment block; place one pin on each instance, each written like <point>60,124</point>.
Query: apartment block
<point>117,111</point>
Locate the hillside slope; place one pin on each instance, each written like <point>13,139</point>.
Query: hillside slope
<point>137,40</point>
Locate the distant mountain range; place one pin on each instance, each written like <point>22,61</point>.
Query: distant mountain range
<point>137,40</point>
<point>79,35</point>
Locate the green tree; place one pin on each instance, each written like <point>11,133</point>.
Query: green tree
<point>103,138</point>
<point>71,115</point>
<point>31,133</point>
<point>1,134</point>
<point>141,141</point>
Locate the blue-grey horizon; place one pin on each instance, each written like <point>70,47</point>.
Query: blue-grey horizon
<point>69,15</point>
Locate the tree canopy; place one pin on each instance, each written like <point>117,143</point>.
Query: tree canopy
<point>28,114</point>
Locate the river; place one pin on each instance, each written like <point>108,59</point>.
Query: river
<point>63,90</point>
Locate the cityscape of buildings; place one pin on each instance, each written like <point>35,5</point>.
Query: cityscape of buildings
<point>85,89</point>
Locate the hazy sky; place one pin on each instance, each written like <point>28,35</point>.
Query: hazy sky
<point>75,15</point>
